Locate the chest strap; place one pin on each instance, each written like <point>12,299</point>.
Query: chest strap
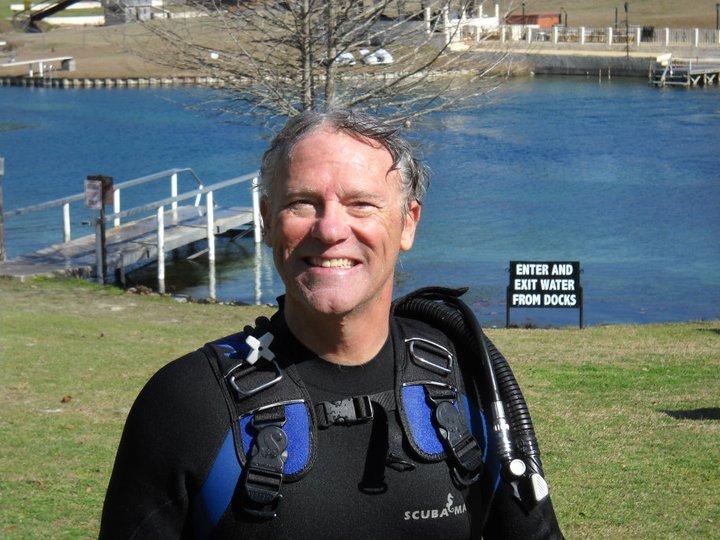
<point>353,410</point>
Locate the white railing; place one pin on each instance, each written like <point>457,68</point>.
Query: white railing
<point>587,35</point>
<point>158,207</point>
<point>65,202</point>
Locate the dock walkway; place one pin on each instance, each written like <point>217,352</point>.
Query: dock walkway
<point>129,246</point>
<point>118,246</point>
<point>687,73</point>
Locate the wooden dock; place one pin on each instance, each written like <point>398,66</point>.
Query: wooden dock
<point>129,246</point>
<point>118,247</point>
<point>686,73</point>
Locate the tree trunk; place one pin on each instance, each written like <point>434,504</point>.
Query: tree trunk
<point>330,54</point>
<point>308,98</point>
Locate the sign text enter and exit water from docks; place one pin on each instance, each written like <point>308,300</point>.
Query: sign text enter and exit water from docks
<point>544,284</point>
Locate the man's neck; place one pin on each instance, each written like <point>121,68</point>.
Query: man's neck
<point>350,339</point>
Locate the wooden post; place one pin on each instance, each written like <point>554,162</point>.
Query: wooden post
<point>610,35</point>
<point>555,34</point>
<point>210,225</point>
<point>2,215</point>
<point>582,35</point>
<point>161,249</point>
<point>100,248</point>
<point>257,222</point>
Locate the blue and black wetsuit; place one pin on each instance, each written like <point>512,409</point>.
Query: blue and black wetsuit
<point>174,449</point>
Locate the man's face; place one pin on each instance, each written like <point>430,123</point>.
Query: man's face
<point>336,224</point>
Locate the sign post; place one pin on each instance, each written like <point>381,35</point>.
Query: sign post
<point>544,284</point>
<point>2,216</point>
<point>98,193</point>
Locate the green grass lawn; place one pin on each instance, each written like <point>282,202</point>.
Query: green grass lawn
<point>73,356</point>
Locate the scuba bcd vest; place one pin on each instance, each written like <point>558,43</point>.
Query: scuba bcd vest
<point>455,399</point>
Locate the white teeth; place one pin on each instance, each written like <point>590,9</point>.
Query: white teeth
<point>331,263</point>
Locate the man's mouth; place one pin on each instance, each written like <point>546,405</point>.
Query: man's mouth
<point>330,263</point>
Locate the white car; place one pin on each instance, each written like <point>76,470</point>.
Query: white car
<point>345,59</point>
<point>379,57</point>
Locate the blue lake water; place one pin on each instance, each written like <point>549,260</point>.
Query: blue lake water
<point>623,177</point>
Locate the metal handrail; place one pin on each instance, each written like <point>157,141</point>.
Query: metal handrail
<point>80,196</point>
<point>44,206</point>
<point>183,196</point>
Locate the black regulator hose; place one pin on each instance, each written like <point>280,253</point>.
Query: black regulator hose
<point>442,308</point>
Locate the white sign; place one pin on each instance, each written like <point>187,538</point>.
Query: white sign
<point>93,194</point>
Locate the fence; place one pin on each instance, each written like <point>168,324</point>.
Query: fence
<point>586,35</point>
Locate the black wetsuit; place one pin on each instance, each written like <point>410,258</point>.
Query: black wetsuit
<point>179,421</point>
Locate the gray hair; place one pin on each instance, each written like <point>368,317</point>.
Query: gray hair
<point>414,176</point>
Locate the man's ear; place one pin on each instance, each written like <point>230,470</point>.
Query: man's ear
<point>266,220</point>
<point>410,223</point>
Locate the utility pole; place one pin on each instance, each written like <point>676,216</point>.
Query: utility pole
<point>717,16</point>
<point>616,18</point>
<point>627,30</point>
<point>2,215</point>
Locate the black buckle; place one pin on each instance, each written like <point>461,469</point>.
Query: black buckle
<point>344,411</point>
<point>460,443</point>
<point>265,472</point>
<point>436,350</point>
<point>242,370</point>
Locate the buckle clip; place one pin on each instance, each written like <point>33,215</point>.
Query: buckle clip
<point>265,472</point>
<point>460,443</point>
<point>243,369</point>
<point>345,412</point>
<point>417,344</point>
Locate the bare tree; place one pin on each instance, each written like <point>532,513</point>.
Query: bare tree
<point>277,58</point>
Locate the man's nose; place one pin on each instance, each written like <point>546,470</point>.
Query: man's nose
<point>331,224</point>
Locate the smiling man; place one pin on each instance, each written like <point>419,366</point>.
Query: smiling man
<point>345,415</point>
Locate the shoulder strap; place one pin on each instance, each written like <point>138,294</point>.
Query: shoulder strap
<point>271,417</point>
<point>430,399</point>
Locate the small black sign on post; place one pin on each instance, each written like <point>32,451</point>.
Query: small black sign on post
<point>544,284</point>
<point>98,193</point>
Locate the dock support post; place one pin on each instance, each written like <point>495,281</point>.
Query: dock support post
<point>503,35</point>
<point>116,207</point>
<point>696,37</point>
<point>426,16</point>
<point>174,193</point>
<point>610,35</point>
<point>100,249</point>
<point>582,35</point>
<point>161,249</point>
<point>555,35</point>
<point>638,36</point>
<point>667,37</point>
<point>258,276</point>
<point>66,222</point>
<point>2,215</point>
<point>212,281</point>
<point>257,221</point>
<point>210,225</point>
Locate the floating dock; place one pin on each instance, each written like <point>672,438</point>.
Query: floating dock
<point>118,247</point>
<point>129,246</point>
<point>687,73</point>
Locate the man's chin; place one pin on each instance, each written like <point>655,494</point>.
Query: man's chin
<point>332,302</point>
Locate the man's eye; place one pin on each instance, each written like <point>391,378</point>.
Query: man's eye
<point>299,204</point>
<point>363,206</point>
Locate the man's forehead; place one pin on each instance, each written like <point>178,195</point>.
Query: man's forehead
<point>337,143</point>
